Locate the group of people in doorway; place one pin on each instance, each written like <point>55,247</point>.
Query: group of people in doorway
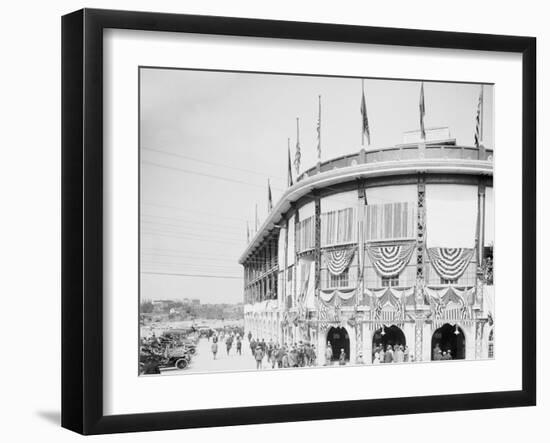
<point>438,354</point>
<point>391,354</point>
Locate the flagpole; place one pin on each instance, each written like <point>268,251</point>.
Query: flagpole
<point>481,116</point>
<point>362,117</point>
<point>319,146</point>
<point>289,166</point>
<point>298,153</point>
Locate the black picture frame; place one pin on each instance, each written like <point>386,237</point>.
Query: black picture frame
<point>82,215</point>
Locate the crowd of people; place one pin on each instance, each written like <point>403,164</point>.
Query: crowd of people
<point>277,355</point>
<point>271,354</point>
<point>391,354</point>
<point>438,354</point>
<point>227,339</point>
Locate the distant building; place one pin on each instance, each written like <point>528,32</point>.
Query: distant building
<point>196,301</point>
<point>382,246</point>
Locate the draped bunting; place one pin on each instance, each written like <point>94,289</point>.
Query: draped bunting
<point>389,261</point>
<point>326,315</point>
<point>338,260</point>
<point>388,305</point>
<point>337,297</point>
<point>450,263</point>
<point>450,304</point>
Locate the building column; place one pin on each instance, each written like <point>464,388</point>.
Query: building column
<point>418,340</point>
<point>480,243</point>
<point>420,239</point>
<point>317,253</point>
<point>296,259</point>
<point>479,339</point>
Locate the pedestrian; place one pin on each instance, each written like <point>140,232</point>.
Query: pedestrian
<point>437,352</point>
<point>249,336</point>
<point>279,355</point>
<point>253,345</point>
<point>214,348</point>
<point>376,360</point>
<point>259,356</point>
<point>228,344</point>
<point>328,354</point>
<point>342,358</point>
<point>239,346</point>
<point>398,355</point>
<point>360,360</point>
<point>406,354</point>
<point>388,355</point>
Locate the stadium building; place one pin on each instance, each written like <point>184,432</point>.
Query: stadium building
<point>382,246</point>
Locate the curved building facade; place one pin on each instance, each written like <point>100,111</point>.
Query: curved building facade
<point>382,246</point>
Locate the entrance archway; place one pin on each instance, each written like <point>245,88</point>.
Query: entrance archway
<point>392,335</point>
<point>449,338</point>
<point>339,339</point>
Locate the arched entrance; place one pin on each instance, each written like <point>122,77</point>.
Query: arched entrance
<point>339,339</point>
<point>392,335</point>
<point>448,338</point>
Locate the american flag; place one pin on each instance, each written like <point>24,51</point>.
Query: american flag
<point>422,108</point>
<point>269,197</point>
<point>479,119</point>
<point>364,118</point>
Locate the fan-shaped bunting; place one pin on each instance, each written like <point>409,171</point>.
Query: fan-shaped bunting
<point>338,260</point>
<point>450,263</point>
<point>389,261</point>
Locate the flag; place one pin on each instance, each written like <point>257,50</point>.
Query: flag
<point>422,108</point>
<point>290,183</point>
<point>319,133</point>
<point>269,197</point>
<point>364,118</point>
<point>478,136</point>
<point>247,233</point>
<point>298,155</point>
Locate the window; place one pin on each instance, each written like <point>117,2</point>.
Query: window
<point>390,281</point>
<point>445,281</point>
<point>338,281</point>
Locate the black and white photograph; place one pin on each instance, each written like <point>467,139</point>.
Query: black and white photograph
<point>296,221</point>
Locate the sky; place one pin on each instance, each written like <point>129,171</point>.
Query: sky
<point>209,142</point>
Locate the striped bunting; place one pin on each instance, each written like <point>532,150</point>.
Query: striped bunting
<point>338,260</point>
<point>450,263</point>
<point>389,261</point>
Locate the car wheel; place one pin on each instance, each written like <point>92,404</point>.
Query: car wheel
<point>181,363</point>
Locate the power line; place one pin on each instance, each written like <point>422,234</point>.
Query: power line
<point>212,163</point>
<point>199,222</point>
<point>179,208</point>
<point>234,232</point>
<point>191,237</point>
<point>202,174</point>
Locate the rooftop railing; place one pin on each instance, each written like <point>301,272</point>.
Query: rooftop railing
<point>403,152</point>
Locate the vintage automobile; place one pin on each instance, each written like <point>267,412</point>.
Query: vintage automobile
<point>152,361</point>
